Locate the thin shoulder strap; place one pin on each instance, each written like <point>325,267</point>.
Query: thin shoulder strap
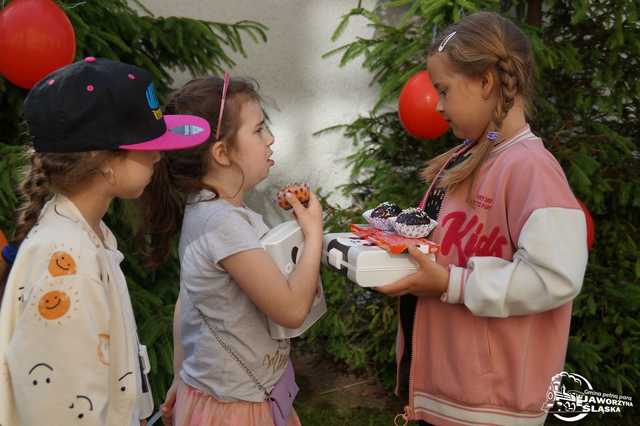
<point>465,147</point>
<point>229,349</point>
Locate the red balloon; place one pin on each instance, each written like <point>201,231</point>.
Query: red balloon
<point>3,264</point>
<point>3,240</point>
<point>417,108</point>
<point>36,38</point>
<point>591,228</point>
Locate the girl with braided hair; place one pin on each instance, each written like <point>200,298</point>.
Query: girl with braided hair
<point>485,327</point>
<point>69,349</point>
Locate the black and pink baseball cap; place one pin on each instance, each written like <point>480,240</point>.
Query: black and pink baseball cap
<point>100,104</point>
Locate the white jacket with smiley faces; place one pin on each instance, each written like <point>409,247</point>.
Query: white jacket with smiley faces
<point>69,351</point>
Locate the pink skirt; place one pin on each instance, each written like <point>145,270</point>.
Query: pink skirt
<point>196,408</point>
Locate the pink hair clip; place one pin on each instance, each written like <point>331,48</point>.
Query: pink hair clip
<point>225,86</point>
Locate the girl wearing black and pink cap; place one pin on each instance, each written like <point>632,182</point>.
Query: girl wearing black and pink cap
<point>69,350</point>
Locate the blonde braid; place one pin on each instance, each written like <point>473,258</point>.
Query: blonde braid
<point>35,191</point>
<point>509,88</point>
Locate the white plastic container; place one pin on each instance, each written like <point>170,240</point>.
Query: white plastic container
<point>363,262</point>
<point>285,243</point>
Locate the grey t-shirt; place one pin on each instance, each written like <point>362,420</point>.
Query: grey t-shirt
<point>212,230</point>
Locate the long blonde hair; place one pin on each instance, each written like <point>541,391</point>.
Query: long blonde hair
<point>484,41</point>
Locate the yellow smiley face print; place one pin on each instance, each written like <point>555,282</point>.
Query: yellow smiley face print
<point>61,263</point>
<point>54,304</point>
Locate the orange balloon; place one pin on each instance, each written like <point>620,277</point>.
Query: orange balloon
<point>417,108</point>
<point>36,38</point>
<point>54,304</point>
<point>61,263</point>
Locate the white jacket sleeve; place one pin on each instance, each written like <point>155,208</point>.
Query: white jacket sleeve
<point>8,316</point>
<point>546,271</point>
<point>58,354</point>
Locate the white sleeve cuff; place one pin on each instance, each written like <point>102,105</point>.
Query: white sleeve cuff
<point>455,292</point>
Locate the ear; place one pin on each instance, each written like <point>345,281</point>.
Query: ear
<point>219,153</point>
<point>488,83</point>
<point>107,171</point>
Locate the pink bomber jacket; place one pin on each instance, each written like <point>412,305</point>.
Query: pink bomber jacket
<point>485,353</point>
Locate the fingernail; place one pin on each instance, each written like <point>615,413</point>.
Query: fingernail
<point>288,195</point>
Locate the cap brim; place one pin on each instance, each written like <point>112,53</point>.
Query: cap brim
<point>183,131</point>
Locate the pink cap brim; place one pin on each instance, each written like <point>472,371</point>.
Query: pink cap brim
<point>183,131</point>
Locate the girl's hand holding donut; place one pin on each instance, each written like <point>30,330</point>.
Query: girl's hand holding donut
<point>300,191</point>
<point>310,217</point>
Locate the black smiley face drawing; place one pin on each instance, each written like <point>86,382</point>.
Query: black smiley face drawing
<point>41,373</point>
<point>83,404</point>
<point>122,381</point>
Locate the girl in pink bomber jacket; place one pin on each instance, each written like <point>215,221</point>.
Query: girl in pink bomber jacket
<point>485,327</point>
